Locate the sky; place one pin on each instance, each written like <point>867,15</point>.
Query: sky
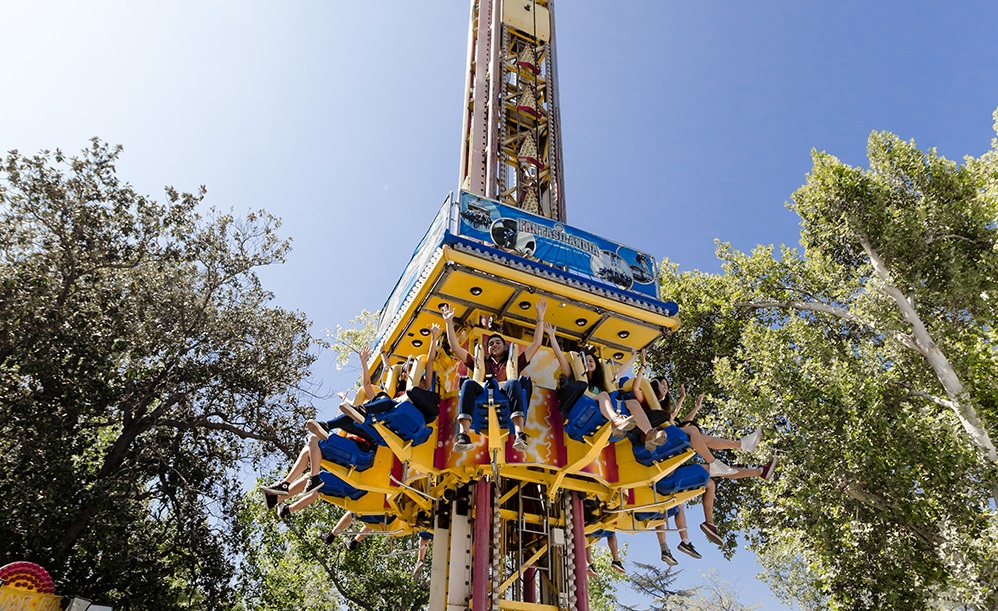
<point>683,122</point>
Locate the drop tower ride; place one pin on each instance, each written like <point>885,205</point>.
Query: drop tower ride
<point>511,526</point>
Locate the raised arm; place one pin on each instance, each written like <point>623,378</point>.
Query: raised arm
<point>535,344</point>
<point>365,355</point>
<point>620,371</point>
<point>459,351</point>
<point>427,382</point>
<point>696,408</point>
<point>639,375</point>
<point>558,354</point>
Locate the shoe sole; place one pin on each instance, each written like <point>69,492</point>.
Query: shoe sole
<point>697,555</point>
<point>274,491</point>
<point>619,569</point>
<point>353,412</point>
<point>463,447</point>
<point>270,500</point>
<point>768,475</point>
<point>712,536</point>
<point>316,429</point>
<point>670,561</point>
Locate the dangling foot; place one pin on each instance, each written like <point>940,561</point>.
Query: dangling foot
<point>712,534</point>
<point>319,429</point>
<point>621,425</point>
<point>462,442</point>
<point>751,441</point>
<point>520,443</point>
<point>655,438</point>
<point>357,413</point>
<point>668,558</point>
<point>719,469</point>
<point>279,488</point>
<point>768,469</point>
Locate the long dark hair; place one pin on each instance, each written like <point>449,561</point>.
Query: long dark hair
<point>597,378</point>
<point>666,401</point>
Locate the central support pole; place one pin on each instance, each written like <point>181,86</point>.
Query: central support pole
<point>481,560</point>
<point>579,539</point>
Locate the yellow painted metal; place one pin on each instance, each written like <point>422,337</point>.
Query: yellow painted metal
<point>371,479</point>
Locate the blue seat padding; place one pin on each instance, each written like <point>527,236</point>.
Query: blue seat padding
<point>585,417</point>
<point>687,477</point>
<point>378,519</point>
<point>347,452</point>
<point>334,486</point>
<point>677,442</point>
<point>656,515</point>
<point>480,417</point>
<point>406,421</point>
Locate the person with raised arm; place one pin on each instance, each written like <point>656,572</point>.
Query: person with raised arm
<point>517,391</point>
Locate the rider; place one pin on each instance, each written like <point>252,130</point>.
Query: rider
<point>517,391</point>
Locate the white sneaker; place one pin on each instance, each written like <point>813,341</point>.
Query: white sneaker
<point>719,469</point>
<point>751,441</point>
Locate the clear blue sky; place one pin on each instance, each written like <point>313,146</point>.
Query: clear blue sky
<point>683,121</point>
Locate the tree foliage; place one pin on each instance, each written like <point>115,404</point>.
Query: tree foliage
<point>869,356</point>
<point>140,363</point>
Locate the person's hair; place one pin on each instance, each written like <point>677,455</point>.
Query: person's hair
<point>664,401</point>
<point>597,378</point>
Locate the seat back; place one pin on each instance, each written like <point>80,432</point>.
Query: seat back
<point>687,477</point>
<point>391,380</point>
<point>347,452</point>
<point>334,486</point>
<point>405,421</point>
<point>676,442</point>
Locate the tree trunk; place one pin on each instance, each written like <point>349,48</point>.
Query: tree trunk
<point>962,404</point>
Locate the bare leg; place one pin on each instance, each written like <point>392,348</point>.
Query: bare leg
<point>708,502</point>
<point>696,440</point>
<point>640,417</point>
<point>465,423</point>
<point>606,408</point>
<point>304,501</point>
<point>718,443</point>
<point>756,472</point>
<point>660,533</point>
<point>517,424</point>
<point>681,524</point>
<point>611,542</point>
<point>314,455</point>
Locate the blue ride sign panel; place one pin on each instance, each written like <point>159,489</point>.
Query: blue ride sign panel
<point>562,246</point>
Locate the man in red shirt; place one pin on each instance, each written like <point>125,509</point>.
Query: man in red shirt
<point>517,391</point>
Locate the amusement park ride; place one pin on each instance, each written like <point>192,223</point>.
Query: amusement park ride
<point>510,526</point>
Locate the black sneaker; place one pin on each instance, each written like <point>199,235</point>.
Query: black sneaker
<point>283,511</point>
<point>689,550</point>
<point>352,544</point>
<point>591,570</point>
<point>319,429</point>
<point>314,483</point>
<point>278,488</point>
<point>618,566</point>
<point>520,443</point>
<point>668,558</point>
<point>462,443</point>
<point>270,500</point>
<point>328,538</point>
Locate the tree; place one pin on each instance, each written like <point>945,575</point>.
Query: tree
<point>140,363</point>
<point>288,567</point>
<point>870,358</point>
<point>655,583</point>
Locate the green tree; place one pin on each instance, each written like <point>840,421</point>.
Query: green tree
<point>140,364</point>
<point>870,358</point>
